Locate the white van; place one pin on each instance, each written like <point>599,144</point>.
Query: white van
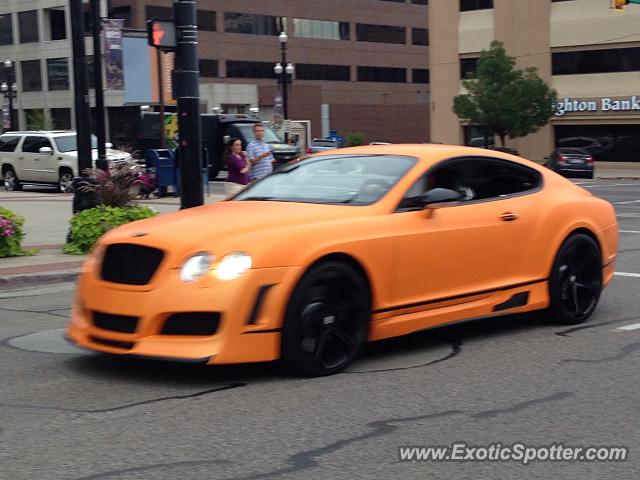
<point>46,157</point>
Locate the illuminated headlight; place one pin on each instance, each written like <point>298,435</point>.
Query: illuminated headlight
<point>195,267</point>
<point>232,266</point>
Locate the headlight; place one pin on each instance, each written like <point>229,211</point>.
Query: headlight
<point>195,267</point>
<point>233,265</point>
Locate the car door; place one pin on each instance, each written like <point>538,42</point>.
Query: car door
<point>469,247</point>
<point>35,164</point>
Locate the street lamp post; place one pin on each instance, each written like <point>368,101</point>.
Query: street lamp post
<point>9,90</point>
<point>285,72</point>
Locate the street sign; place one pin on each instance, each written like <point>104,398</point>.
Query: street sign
<point>161,34</point>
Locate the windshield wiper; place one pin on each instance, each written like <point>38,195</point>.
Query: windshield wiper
<point>259,199</point>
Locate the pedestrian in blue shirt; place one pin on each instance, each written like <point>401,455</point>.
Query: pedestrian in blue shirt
<point>260,155</point>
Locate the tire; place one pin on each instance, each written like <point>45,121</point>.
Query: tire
<point>65,181</point>
<point>575,282</point>
<point>327,320</point>
<point>10,180</point>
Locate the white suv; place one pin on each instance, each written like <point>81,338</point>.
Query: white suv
<point>46,157</point>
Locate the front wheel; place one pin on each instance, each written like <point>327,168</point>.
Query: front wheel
<point>576,280</point>
<point>11,182</point>
<point>327,320</point>
<point>65,181</point>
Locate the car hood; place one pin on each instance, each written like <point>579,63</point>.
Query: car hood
<point>283,147</point>
<point>235,225</point>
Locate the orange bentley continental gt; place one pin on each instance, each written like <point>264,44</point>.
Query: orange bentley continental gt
<point>345,247</point>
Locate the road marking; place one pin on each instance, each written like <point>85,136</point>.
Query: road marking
<point>626,274</point>
<point>585,185</point>
<point>627,202</point>
<point>629,231</point>
<point>633,326</point>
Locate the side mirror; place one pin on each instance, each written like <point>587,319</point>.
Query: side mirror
<point>434,198</point>
<point>45,150</point>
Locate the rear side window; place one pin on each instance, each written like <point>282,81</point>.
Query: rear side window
<point>8,143</point>
<point>479,178</point>
<point>34,144</point>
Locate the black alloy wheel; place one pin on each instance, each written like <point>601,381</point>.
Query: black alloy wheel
<point>327,320</point>
<point>576,280</point>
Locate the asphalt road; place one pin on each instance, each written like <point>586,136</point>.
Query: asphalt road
<point>69,414</point>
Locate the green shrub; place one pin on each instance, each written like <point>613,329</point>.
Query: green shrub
<point>11,234</point>
<point>89,225</point>
<point>355,139</point>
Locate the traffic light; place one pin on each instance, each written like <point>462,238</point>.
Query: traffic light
<point>161,34</point>
<point>619,4</point>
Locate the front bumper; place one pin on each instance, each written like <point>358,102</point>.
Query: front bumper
<point>250,308</point>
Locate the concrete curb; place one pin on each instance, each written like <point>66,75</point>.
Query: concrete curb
<point>26,279</point>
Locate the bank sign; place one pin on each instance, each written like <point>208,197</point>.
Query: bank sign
<point>605,104</point>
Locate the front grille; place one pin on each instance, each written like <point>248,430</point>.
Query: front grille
<point>192,323</point>
<point>115,323</point>
<point>111,343</point>
<point>130,264</point>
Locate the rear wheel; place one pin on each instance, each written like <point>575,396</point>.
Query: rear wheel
<point>576,280</point>
<point>327,320</point>
<point>65,181</point>
<point>11,181</point>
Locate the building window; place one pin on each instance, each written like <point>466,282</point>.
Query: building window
<point>468,66</point>
<point>380,33</point>
<point>208,67</point>
<point>420,36</point>
<point>323,29</point>
<point>468,5</point>
<point>382,74</point>
<point>58,73</point>
<point>252,24</point>
<point>309,71</point>
<point>206,20</point>
<point>420,2</point>
<point>56,21</point>
<point>28,25</point>
<point>6,29</point>
<point>31,76</point>
<point>122,13</point>
<point>61,118</point>
<point>596,61</point>
<point>420,75</point>
<point>163,13</point>
<point>241,69</point>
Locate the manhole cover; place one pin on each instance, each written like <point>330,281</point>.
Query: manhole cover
<point>48,341</point>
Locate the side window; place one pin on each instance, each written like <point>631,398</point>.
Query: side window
<point>8,143</point>
<point>478,178</point>
<point>34,144</point>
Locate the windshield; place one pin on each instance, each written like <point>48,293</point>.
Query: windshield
<point>247,132</point>
<point>68,143</point>
<point>332,179</point>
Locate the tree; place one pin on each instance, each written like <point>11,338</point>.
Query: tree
<point>505,100</point>
<point>37,120</point>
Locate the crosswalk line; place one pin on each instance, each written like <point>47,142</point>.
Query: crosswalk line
<point>627,274</point>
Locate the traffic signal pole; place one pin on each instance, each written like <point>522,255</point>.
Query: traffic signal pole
<point>186,90</point>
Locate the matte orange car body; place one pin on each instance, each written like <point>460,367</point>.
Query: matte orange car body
<point>424,268</point>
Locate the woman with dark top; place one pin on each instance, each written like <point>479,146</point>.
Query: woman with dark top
<point>237,166</point>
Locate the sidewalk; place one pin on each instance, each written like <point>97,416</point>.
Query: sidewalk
<point>47,217</point>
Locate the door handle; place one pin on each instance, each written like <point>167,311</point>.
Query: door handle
<point>509,217</point>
